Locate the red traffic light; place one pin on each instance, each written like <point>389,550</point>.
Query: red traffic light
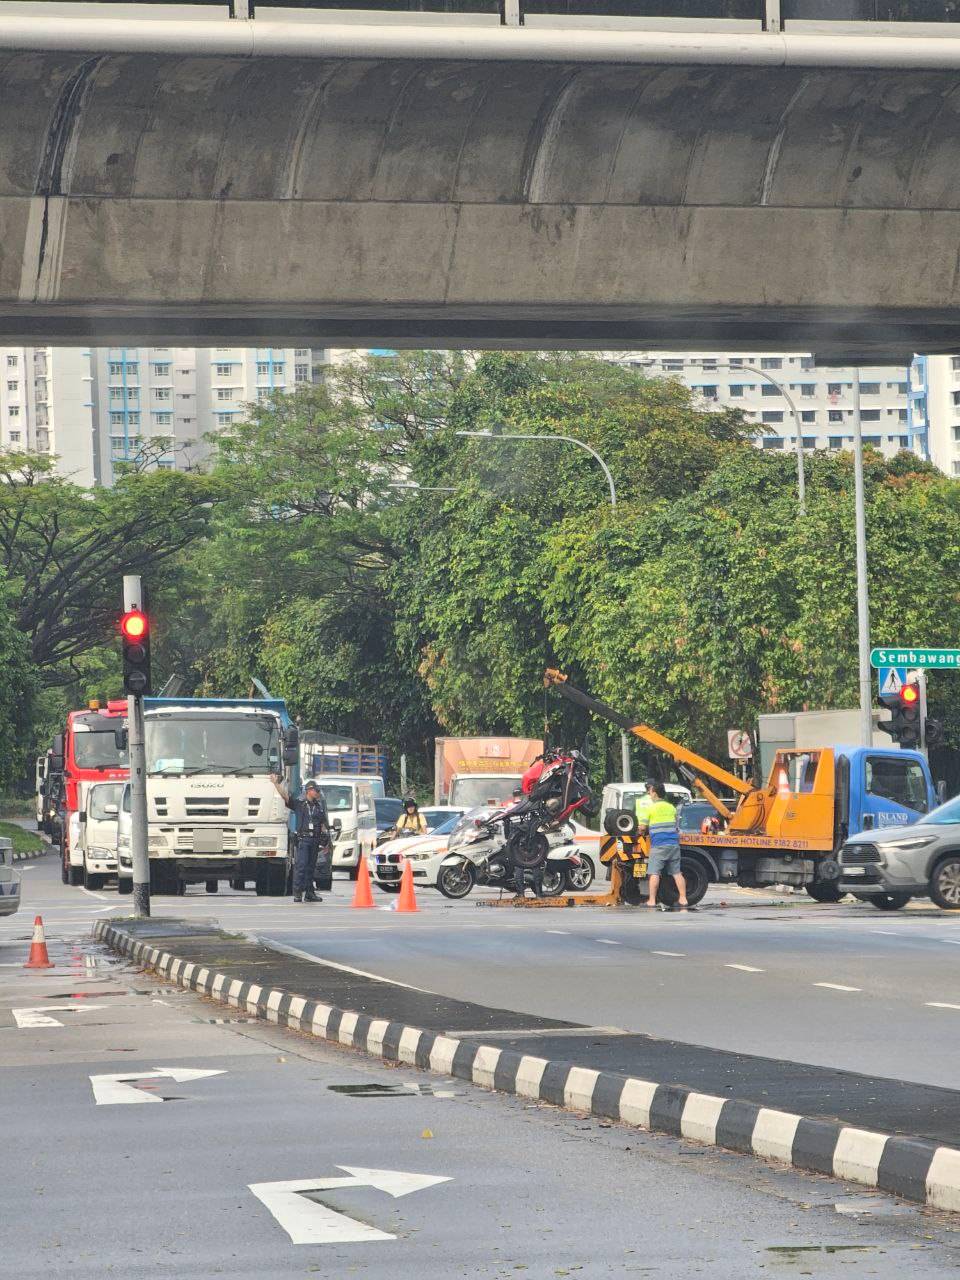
<point>910,694</point>
<point>134,625</point>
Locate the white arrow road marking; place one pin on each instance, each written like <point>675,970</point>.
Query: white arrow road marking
<point>308,1221</point>
<point>38,1016</point>
<point>111,1090</point>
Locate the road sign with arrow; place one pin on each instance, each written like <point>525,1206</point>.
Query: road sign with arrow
<point>298,1208</point>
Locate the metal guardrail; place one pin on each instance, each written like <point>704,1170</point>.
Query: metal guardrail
<point>769,15</point>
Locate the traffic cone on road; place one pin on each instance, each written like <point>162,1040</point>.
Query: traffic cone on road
<point>407,901</point>
<point>38,949</point>
<point>362,895</point>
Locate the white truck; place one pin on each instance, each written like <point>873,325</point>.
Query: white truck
<point>98,823</point>
<point>213,812</point>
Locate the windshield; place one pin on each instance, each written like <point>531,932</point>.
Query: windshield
<point>339,797</point>
<point>434,817</point>
<point>213,744</point>
<point>445,828</point>
<point>945,815</point>
<point>470,792</point>
<point>100,797</point>
<point>97,750</point>
<point>388,810</point>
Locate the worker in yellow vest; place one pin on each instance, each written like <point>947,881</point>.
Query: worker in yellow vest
<point>660,823</point>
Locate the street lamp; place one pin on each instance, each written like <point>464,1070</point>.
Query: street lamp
<point>507,435</point>
<point>551,439</point>
<point>762,373</point>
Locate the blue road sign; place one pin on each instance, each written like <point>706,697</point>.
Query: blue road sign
<point>891,680</point>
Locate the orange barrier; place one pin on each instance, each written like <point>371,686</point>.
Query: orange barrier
<point>407,901</point>
<point>362,894</point>
<point>39,959</point>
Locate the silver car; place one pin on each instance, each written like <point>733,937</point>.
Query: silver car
<point>889,867</point>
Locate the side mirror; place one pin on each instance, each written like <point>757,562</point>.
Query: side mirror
<point>336,826</point>
<point>291,745</point>
<point>56,755</point>
<point>121,738</point>
<point>81,816</point>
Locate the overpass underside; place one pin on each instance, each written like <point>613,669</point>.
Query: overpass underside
<point>190,196</point>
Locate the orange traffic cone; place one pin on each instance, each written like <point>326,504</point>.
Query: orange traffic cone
<point>407,901</point>
<point>783,785</point>
<point>38,949</point>
<point>362,896</point>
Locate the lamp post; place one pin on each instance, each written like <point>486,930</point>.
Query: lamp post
<point>550,439</point>
<point>762,373</point>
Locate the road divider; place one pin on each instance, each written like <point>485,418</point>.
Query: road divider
<point>908,1165</point>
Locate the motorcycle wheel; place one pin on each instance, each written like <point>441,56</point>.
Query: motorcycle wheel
<point>456,881</point>
<point>553,882</point>
<point>529,853</point>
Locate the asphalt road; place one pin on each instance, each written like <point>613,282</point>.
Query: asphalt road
<point>164,1190</point>
<point>840,986</point>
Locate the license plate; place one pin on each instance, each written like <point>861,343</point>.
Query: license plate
<point>852,871</point>
<point>207,840</point>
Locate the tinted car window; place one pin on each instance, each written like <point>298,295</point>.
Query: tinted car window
<point>901,781</point>
<point>388,810</point>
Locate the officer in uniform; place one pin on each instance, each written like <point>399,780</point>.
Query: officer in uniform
<point>313,834</point>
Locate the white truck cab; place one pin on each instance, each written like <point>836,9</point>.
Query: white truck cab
<point>624,795</point>
<point>349,801</point>
<point>97,832</point>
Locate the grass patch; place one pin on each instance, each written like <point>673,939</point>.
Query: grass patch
<point>23,841</point>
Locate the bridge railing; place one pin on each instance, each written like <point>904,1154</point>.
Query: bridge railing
<point>863,16</point>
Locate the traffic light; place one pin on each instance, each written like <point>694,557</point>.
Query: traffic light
<point>135,635</point>
<point>905,725</point>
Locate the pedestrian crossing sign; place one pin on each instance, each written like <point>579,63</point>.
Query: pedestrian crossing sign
<point>892,680</point>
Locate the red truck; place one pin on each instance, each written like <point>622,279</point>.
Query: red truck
<point>87,751</point>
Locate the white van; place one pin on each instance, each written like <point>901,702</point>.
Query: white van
<point>97,840</point>
<point>624,795</point>
<point>349,801</point>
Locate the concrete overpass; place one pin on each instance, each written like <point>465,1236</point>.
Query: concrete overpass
<point>397,185</point>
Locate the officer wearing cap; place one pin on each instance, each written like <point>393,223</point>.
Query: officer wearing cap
<point>313,834</point>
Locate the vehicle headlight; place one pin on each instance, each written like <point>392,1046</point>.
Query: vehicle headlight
<point>348,833</point>
<point>917,842</point>
<point>418,857</point>
<point>123,842</point>
<point>262,842</point>
<point>100,852</point>
<point>156,841</point>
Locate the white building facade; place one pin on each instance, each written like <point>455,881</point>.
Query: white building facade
<point>95,410</point>
<point>787,396</point>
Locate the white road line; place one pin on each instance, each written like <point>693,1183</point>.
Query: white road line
<point>91,894</point>
<point>951,942</point>
<point>564,932</point>
<point>939,1004</point>
<point>679,955</point>
<point>836,986</point>
<point>607,942</point>
<point>345,968</point>
<point>887,933</point>
<point>744,968</point>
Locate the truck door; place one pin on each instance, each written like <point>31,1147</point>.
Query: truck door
<point>894,791</point>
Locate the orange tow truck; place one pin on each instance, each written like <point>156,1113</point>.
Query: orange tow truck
<point>786,832</point>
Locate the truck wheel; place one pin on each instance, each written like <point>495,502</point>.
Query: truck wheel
<point>124,884</point>
<point>945,883</point>
<point>64,865</point>
<point>355,871</point>
<point>276,881</point>
<point>825,891</point>
<point>213,886</point>
<point>75,876</point>
<point>890,901</point>
<point>237,883</point>
<point>698,881</point>
<point>91,881</point>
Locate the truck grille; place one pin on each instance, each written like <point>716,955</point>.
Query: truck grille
<point>207,807</point>
<point>183,839</point>
<point>859,855</point>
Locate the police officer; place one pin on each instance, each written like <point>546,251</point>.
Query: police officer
<point>313,834</point>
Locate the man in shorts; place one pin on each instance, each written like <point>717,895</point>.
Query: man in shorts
<point>660,823</point>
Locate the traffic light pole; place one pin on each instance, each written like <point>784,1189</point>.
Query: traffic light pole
<point>863,599</point>
<point>136,746</point>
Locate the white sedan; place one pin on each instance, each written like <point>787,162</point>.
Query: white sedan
<point>424,853</point>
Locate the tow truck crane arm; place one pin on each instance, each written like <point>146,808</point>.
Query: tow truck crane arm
<point>688,762</point>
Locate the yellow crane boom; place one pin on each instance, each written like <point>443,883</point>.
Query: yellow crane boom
<point>690,763</point>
